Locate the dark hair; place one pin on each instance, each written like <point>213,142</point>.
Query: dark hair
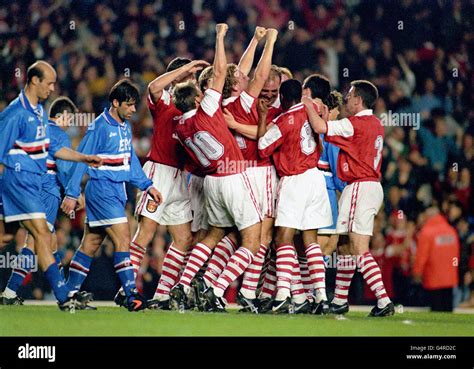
<point>184,96</point>
<point>334,100</point>
<point>318,85</point>
<point>60,105</point>
<point>177,63</point>
<point>124,90</point>
<point>34,70</point>
<point>290,90</point>
<point>367,91</point>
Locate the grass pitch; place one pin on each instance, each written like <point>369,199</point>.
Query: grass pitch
<point>113,321</point>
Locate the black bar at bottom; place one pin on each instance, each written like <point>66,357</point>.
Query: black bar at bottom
<point>243,352</point>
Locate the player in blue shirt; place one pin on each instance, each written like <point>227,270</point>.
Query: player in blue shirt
<point>110,137</point>
<point>62,109</point>
<point>23,151</point>
<point>327,237</point>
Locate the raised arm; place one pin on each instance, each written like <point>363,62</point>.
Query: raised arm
<point>246,61</point>
<point>156,87</point>
<point>264,65</point>
<point>220,59</point>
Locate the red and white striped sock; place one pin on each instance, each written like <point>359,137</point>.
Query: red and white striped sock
<point>346,267</point>
<point>269,282</point>
<point>317,270</point>
<point>233,270</point>
<point>186,258</point>
<point>136,256</point>
<point>252,274</point>
<point>305,277</point>
<point>219,259</point>
<point>198,257</point>
<point>371,272</point>
<point>285,259</point>
<point>298,294</point>
<point>172,264</point>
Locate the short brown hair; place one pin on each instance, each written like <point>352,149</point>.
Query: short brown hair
<point>230,80</point>
<point>204,78</point>
<point>184,96</point>
<point>367,91</point>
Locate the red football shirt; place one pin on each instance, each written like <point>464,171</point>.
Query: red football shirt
<point>360,138</point>
<point>244,110</point>
<point>165,148</point>
<point>207,139</point>
<point>292,142</point>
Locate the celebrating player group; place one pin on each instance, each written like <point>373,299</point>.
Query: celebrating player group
<point>255,178</point>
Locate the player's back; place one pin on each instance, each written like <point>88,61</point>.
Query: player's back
<point>165,149</point>
<point>298,151</point>
<point>360,157</point>
<point>206,137</point>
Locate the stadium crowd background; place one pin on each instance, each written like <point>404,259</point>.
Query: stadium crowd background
<point>418,53</point>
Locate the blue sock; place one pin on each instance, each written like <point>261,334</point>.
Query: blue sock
<point>78,270</point>
<point>57,257</point>
<point>24,263</point>
<point>57,283</point>
<point>124,269</point>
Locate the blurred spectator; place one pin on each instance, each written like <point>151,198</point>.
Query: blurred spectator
<point>437,260</point>
<point>424,67</point>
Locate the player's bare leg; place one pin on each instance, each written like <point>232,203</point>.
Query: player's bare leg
<point>370,270</point>
<point>5,238</point>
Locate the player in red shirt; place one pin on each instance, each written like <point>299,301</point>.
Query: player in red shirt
<point>242,105</point>
<point>302,199</point>
<point>266,183</point>
<point>165,168</point>
<point>360,138</point>
<point>230,200</point>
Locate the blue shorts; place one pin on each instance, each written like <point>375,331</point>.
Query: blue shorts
<point>51,205</point>
<point>105,203</point>
<point>22,196</point>
<point>333,201</point>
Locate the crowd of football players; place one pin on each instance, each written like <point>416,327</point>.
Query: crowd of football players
<point>245,173</point>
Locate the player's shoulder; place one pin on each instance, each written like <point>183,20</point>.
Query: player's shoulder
<point>288,116</point>
<point>14,109</point>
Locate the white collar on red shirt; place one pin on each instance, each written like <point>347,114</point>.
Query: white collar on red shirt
<point>189,114</point>
<point>364,112</point>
